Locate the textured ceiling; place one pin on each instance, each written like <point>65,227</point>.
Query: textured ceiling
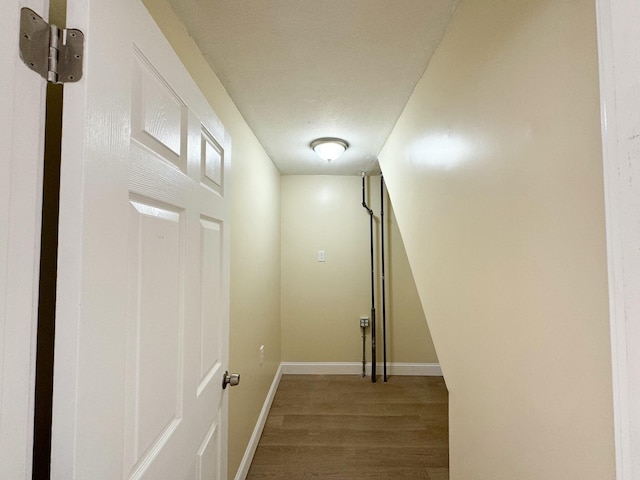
<point>302,69</point>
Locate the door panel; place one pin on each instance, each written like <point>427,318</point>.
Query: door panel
<point>22,104</point>
<point>157,321</point>
<point>158,114</point>
<point>211,299</point>
<point>149,323</point>
<point>209,455</point>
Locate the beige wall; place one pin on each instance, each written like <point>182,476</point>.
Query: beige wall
<point>322,301</point>
<point>255,249</point>
<point>408,336</point>
<point>495,172</point>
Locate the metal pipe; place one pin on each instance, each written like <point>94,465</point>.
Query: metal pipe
<point>373,300</point>
<point>364,355</point>
<point>384,310</point>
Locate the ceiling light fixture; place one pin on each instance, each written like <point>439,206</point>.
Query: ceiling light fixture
<point>329,148</point>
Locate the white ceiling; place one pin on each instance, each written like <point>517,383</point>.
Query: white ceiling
<point>302,69</point>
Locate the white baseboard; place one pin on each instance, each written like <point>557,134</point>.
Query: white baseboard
<point>355,368</point>
<point>245,464</point>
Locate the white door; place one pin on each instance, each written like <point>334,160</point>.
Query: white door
<point>143,279</point>
<point>22,107</point>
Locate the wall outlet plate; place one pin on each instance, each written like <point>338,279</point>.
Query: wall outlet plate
<point>364,322</point>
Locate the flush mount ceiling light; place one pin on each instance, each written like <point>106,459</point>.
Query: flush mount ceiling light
<point>329,148</point>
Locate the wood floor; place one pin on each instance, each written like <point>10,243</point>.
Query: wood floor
<point>345,427</point>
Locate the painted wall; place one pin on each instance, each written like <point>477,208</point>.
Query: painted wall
<point>408,336</point>
<point>322,301</point>
<point>495,173</point>
<point>255,249</point>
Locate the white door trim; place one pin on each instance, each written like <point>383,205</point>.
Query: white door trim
<point>619,57</point>
<point>21,171</point>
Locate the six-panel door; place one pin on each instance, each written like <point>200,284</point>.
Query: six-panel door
<point>144,301</point>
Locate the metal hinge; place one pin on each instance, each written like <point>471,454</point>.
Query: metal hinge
<point>56,54</point>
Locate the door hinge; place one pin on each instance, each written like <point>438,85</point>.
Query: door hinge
<point>54,53</point>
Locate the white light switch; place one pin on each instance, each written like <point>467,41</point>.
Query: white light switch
<point>321,256</point>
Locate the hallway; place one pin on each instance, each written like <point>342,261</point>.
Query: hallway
<point>345,427</point>
<point>185,246</point>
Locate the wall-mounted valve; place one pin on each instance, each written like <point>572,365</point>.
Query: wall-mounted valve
<point>364,323</point>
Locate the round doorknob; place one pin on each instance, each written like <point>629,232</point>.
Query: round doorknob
<point>232,379</point>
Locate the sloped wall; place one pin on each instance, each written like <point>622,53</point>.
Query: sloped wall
<point>495,173</point>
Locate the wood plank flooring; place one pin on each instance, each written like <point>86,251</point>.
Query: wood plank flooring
<point>347,428</point>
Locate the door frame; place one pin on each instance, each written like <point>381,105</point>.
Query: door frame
<point>619,64</point>
<point>21,171</point>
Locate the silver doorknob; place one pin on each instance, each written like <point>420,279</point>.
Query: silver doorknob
<point>230,379</point>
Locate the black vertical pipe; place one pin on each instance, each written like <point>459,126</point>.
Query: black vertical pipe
<point>384,310</point>
<point>373,308</point>
<point>45,344</point>
<point>373,300</point>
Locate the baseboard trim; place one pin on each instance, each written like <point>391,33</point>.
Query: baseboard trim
<point>355,368</point>
<point>245,464</point>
